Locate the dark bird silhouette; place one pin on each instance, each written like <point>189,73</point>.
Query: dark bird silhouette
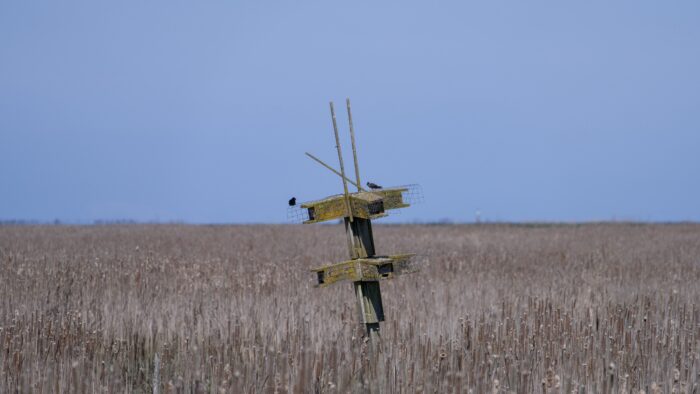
<point>373,185</point>
<point>292,201</point>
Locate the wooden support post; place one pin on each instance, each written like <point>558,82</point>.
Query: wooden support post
<point>369,295</point>
<point>369,298</point>
<point>361,230</point>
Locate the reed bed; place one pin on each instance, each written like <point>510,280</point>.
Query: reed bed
<point>596,308</point>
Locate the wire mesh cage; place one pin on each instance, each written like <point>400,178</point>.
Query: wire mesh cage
<point>414,194</point>
<point>296,214</point>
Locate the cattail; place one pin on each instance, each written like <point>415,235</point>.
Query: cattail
<point>496,387</point>
<point>228,309</point>
<point>156,374</point>
<point>655,389</point>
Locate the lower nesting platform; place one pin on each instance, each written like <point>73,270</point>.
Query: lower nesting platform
<point>365,269</point>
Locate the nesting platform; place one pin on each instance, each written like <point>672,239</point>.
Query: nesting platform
<point>369,269</point>
<point>365,269</point>
<point>364,204</point>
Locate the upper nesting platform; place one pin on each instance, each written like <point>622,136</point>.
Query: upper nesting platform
<point>366,205</point>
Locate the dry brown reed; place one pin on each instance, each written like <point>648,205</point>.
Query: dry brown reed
<point>592,308</point>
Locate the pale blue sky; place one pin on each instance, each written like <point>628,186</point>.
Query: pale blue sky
<point>202,111</point>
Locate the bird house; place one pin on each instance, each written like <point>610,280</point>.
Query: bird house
<point>373,268</point>
<point>365,269</point>
<point>365,205</point>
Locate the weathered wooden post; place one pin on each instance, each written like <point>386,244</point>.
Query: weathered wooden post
<point>365,268</point>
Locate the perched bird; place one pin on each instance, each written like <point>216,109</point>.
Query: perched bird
<point>373,185</point>
<point>292,201</point>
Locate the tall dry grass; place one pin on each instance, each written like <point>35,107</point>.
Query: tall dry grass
<point>577,308</point>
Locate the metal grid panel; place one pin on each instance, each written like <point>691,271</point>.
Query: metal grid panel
<point>296,214</point>
<point>414,194</point>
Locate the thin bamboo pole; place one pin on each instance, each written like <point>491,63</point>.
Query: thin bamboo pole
<point>354,151</point>
<point>342,166</point>
<point>333,170</point>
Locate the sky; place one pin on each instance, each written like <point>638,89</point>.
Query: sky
<point>201,111</point>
